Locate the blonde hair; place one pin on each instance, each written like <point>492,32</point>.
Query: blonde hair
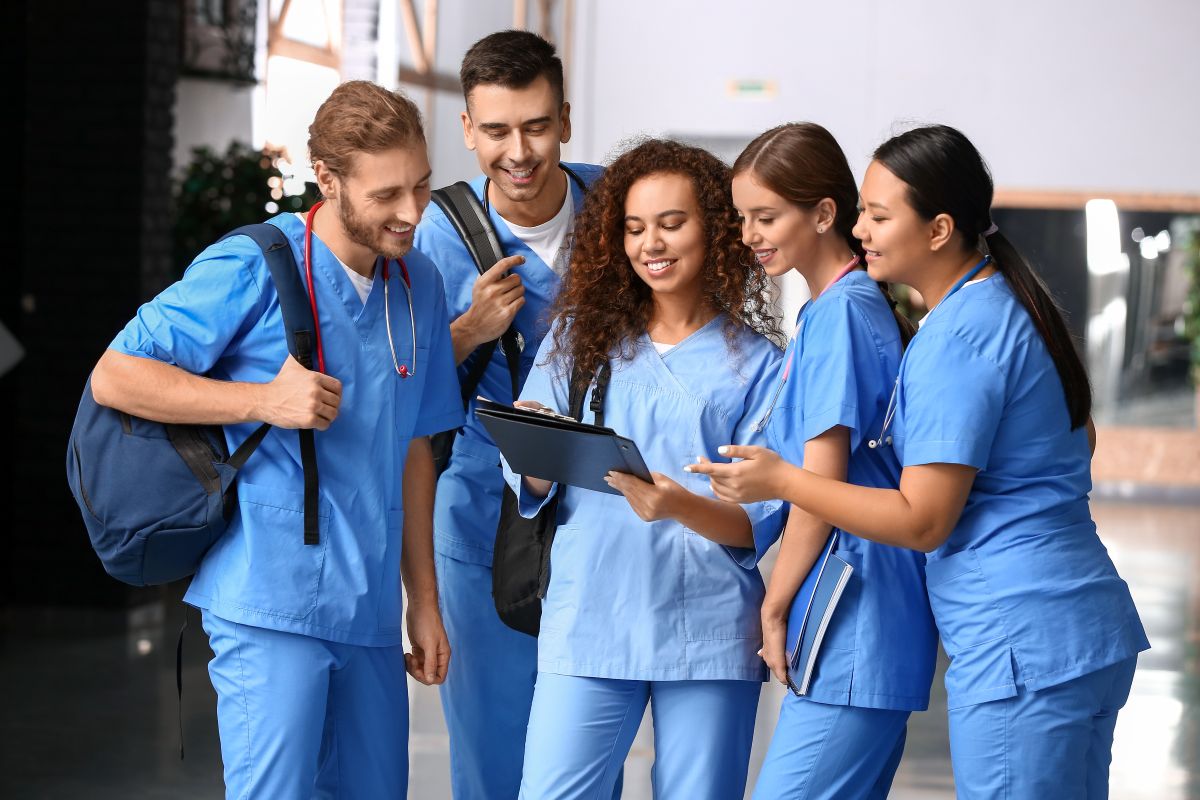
<point>361,117</point>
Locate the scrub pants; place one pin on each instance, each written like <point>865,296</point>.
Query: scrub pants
<point>291,706</point>
<point>581,729</point>
<point>831,751</point>
<point>1055,742</point>
<point>488,688</point>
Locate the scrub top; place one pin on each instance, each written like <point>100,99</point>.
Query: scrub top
<point>654,600</point>
<point>1023,591</point>
<point>223,320</point>
<point>467,507</point>
<point>881,644</point>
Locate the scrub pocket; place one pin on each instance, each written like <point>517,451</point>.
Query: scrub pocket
<point>721,600</point>
<point>569,570</point>
<point>282,575</point>
<point>972,630</point>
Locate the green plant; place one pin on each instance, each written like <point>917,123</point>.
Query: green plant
<point>218,192</point>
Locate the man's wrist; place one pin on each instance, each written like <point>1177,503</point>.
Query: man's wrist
<point>463,331</point>
<point>252,402</point>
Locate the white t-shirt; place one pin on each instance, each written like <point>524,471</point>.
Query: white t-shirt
<point>361,284</point>
<point>661,348</point>
<point>547,239</point>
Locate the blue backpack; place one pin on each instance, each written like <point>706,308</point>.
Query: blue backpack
<point>155,497</point>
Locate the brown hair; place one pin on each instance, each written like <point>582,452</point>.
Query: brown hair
<point>604,304</point>
<point>512,59</point>
<point>802,163</point>
<point>361,117</point>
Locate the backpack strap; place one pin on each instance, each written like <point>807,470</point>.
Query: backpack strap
<point>299,326</point>
<point>597,405</point>
<point>574,176</point>
<point>472,224</point>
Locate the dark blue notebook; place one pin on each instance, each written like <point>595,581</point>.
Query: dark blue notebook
<point>812,609</point>
<point>560,449</point>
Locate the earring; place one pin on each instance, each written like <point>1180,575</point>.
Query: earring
<point>820,229</point>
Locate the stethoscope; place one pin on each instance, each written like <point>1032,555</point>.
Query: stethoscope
<point>401,369</point>
<point>890,413</point>
<point>761,425</point>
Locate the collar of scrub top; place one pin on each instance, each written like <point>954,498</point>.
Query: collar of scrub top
<point>888,415</point>
<point>401,369</point>
<point>761,425</point>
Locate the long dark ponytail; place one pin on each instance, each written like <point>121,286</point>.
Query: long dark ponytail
<point>802,163</point>
<point>947,175</point>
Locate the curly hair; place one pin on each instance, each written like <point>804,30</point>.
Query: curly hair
<point>604,306</point>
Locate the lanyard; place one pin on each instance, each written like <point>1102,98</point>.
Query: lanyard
<point>890,413</point>
<point>401,369</point>
<point>761,425</point>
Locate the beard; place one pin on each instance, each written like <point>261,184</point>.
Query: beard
<point>362,233</point>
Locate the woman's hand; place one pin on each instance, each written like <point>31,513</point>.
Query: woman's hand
<point>758,476</point>
<point>650,501</point>
<point>774,649</point>
<point>532,405</point>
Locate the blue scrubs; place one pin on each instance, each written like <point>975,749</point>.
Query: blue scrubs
<point>260,580</point>
<point>664,615</point>
<point>845,738</point>
<point>1027,601</point>
<point>486,697</point>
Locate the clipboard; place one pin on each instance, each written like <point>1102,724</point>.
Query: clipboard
<point>811,612</point>
<point>557,448</point>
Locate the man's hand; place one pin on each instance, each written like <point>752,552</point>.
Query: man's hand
<point>299,398</point>
<point>430,656</point>
<point>496,297</point>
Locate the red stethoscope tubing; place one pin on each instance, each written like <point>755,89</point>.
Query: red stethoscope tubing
<point>312,295</point>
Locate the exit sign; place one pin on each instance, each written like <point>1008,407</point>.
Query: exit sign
<point>752,89</point>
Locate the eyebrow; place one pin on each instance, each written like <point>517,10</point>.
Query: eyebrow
<point>398,187</point>
<point>880,206</point>
<point>760,209</point>
<point>499,126</point>
<point>659,215</point>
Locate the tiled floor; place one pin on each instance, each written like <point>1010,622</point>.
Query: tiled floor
<point>90,707</point>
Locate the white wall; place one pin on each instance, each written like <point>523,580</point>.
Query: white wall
<point>211,113</point>
<point>1057,94</point>
<point>460,24</point>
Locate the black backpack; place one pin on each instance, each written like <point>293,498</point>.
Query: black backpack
<point>470,221</point>
<point>521,560</point>
<point>155,497</point>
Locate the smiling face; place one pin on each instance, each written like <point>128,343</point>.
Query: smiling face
<point>782,235</point>
<point>381,201</point>
<point>896,239</point>
<point>664,234</point>
<point>517,136</point>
